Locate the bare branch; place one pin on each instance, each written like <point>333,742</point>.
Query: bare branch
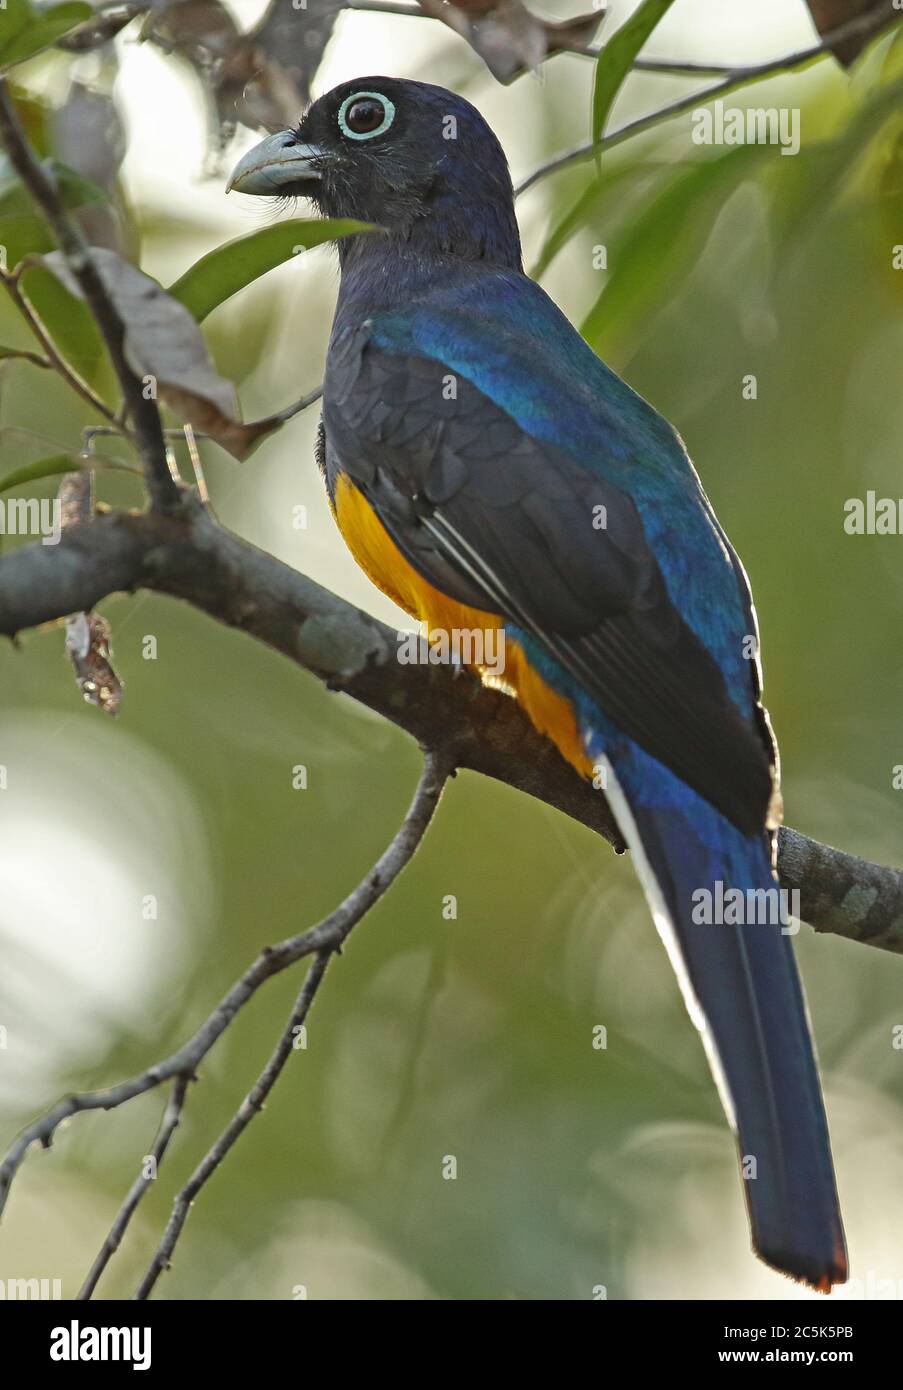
<point>736,77</point>
<point>172,1116</point>
<point>564,45</point>
<point>251,1105</point>
<point>11,281</point>
<point>321,940</point>
<point>294,409</point>
<point>842,894</point>
<point>143,413</point>
<point>25,355</point>
<point>191,558</point>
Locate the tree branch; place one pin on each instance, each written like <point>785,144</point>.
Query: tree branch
<point>734,78</point>
<point>842,894</point>
<point>852,28</point>
<point>251,1105</point>
<point>582,50</point>
<point>144,415</point>
<point>191,558</point>
<point>172,1116</point>
<point>321,941</point>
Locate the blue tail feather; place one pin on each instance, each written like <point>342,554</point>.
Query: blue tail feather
<point>741,984</point>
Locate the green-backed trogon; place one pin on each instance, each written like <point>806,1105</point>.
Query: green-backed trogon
<point>489,471</point>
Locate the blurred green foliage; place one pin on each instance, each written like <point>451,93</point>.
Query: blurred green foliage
<point>617,57</point>
<point>27,29</point>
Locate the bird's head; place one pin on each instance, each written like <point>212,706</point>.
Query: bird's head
<point>410,157</point>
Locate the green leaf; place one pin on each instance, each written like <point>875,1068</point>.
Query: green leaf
<point>71,326</point>
<point>657,251</point>
<point>75,191</point>
<point>856,163</point>
<point>25,31</point>
<point>14,18</point>
<point>35,115</point>
<point>616,58</point>
<point>229,268</point>
<point>590,204</point>
<point>57,464</point>
<point>892,65</point>
<point>22,232</point>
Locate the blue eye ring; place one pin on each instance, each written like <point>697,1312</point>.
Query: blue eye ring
<point>388,115</point>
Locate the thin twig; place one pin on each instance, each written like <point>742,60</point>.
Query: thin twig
<point>164,490</point>
<point>664,66</point>
<point>736,77</point>
<point>53,358</point>
<point>197,466</point>
<point>330,934</point>
<point>182,432</point>
<point>109,19</point>
<point>168,1125</point>
<point>252,1104</point>
<point>326,937</point>
<point>35,358</point>
<point>296,407</point>
<point>581,50</point>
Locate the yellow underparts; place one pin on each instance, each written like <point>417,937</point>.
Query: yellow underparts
<point>379,558</point>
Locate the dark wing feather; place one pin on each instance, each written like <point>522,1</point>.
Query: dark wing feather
<point>504,522</point>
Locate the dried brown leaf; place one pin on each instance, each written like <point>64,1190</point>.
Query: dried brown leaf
<point>508,37</point>
<point>294,39</point>
<point>165,348</point>
<point>87,634</point>
<point>261,78</point>
<point>88,645</point>
<point>104,26</point>
<point>88,136</point>
<point>831,14</point>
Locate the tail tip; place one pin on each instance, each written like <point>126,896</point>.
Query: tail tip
<point>820,1274</point>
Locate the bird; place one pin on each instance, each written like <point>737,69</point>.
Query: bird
<point>489,472</point>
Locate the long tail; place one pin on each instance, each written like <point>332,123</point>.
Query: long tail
<point>741,985</point>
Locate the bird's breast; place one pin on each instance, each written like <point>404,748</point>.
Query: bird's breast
<point>382,561</point>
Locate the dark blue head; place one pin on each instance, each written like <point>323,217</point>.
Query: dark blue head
<point>414,158</point>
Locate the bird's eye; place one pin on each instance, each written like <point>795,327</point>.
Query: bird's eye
<point>365,114</point>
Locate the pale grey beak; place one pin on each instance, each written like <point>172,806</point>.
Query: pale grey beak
<point>279,164</point>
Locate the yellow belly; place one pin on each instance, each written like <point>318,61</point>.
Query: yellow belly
<point>379,557</point>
